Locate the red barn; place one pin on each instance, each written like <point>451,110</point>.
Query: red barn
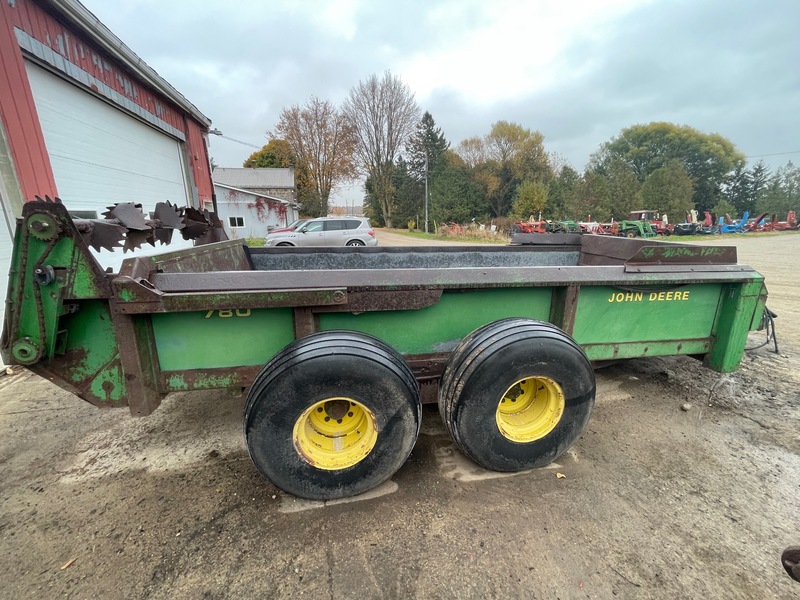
<point>84,118</point>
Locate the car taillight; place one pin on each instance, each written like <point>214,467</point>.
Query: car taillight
<point>371,232</point>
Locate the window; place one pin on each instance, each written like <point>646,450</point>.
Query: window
<point>334,225</point>
<point>236,221</point>
<point>313,226</point>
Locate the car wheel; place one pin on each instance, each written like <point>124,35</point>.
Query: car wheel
<point>283,244</point>
<point>355,243</point>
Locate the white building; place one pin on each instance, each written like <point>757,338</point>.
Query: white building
<point>247,214</point>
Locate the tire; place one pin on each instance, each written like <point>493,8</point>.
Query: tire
<point>283,244</point>
<point>332,415</point>
<point>630,234</point>
<point>508,361</point>
<point>355,243</point>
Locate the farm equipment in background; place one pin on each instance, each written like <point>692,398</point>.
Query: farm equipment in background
<point>789,224</point>
<point>705,227</point>
<point>659,224</point>
<point>543,226</point>
<point>632,229</point>
<point>728,225</point>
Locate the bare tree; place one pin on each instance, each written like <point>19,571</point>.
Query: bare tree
<point>384,113</point>
<point>324,142</point>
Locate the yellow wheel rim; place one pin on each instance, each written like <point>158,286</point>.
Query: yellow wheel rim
<point>530,409</point>
<point>335,433</point>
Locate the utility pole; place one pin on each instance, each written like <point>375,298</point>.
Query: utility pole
<point>426,191</point>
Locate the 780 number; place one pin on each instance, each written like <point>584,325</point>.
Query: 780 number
<point>228,313</point>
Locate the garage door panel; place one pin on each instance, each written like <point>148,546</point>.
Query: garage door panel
<point>102,155</point>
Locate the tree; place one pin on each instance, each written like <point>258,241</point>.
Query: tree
<point>669,190</point>
<point>738,191</point>
<point>426,147</point>
<point>323,140</point>
<point>625,193</point>
<point>783,192</point>
<point>276,154</point>
<point>454,195</point>
<point>409,194</point>
<point>723,207</point>
<point>530,199</point>
<point>707,158</point>
<point>562,194</point>
<point>473,151</point>
<point>759,179</point>
<point>592,198</point>
<point>383,113</point>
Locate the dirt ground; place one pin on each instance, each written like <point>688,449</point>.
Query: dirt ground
<point>655,503</point>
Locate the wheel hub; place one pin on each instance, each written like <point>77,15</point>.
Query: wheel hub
<point>335,433</point>
<point>530,409</point>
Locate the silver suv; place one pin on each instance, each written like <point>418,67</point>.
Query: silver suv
<point>327,231</point>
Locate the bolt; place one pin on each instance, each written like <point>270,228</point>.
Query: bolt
<point>339,421</point>
<point>327,419</point>
<point>350,414</point>
<point>319,409</point>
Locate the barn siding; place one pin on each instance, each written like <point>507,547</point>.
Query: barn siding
<point>60,42</point>
<point>18,111</point>
<point>64,41</point>
<point>198,158</point>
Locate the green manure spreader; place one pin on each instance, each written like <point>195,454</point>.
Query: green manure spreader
<point>339,347</point>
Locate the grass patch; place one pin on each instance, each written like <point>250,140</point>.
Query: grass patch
<point>255,242</point>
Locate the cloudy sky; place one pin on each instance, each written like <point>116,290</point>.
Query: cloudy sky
<point>577,70</point>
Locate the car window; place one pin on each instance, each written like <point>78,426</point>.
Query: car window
<point>314,226</point>
<point>353,223</point>
<point>334,225</point>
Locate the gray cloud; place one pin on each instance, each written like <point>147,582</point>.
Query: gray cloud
<point>718,66</point>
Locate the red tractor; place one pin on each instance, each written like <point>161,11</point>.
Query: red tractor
<point>657,221</point>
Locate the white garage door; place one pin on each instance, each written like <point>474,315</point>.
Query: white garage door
<point>101,155</point>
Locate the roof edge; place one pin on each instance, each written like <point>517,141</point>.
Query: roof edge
<point>236,189</point>
<point>81,16</point>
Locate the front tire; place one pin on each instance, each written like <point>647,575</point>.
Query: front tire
<point>516,394</point>
<point>332,415</point>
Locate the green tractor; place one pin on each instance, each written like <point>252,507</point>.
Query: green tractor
<point>632,229</point>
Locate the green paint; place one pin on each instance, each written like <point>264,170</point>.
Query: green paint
<point>177,383</point>
<point>93,355</point>
<point>640,349</point>
<point>643,316</point>
<point>197,340</point>
<point>737,305</point>
<point>440,327</point>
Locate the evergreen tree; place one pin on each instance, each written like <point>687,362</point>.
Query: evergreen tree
<point>426,141</point>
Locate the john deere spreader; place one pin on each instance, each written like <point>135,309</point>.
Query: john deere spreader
<point>339,347</point>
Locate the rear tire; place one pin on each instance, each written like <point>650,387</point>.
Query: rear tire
<point>516,394</point>
<point>334,414</point>
<point>356,243</point>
